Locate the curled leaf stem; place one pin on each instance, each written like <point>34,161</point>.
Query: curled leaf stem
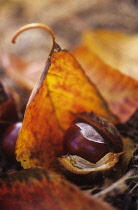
<point>32,26</point>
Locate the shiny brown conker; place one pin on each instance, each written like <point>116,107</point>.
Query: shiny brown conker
<point>9,140</point>
<point>91,137</point>
<point>83,140</point>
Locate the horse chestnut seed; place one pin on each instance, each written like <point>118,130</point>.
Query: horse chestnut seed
<point>9,140</point>
<point>83,140</point>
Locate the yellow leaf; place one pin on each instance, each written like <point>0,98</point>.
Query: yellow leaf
<point>63,91</point>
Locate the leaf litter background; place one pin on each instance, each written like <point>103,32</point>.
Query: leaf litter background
<point>70,20</point>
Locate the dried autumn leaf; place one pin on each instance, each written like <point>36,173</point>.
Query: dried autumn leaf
<point>25,74</point>
<point>115,48</point>
<point>119,90</point>
<point>52,110</point>
<point>35,189</point>
<point>63,91</point>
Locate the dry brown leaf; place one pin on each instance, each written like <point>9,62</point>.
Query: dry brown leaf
<point>115,48</point>
<point>119,91</point>
<point>35,189</point>
<point>24,73</point>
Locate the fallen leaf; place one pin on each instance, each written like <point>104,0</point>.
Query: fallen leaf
<point>63,91</point>
<point>22,72</point>
<point>119,90</point>
<point>35,189</point>
<point>115,48</point>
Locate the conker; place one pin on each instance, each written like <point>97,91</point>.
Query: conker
<point>83,140</point>
<point>9,140</point>
<point>91,138</point>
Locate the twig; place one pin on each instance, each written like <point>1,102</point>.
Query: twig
<point>116,188</point>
